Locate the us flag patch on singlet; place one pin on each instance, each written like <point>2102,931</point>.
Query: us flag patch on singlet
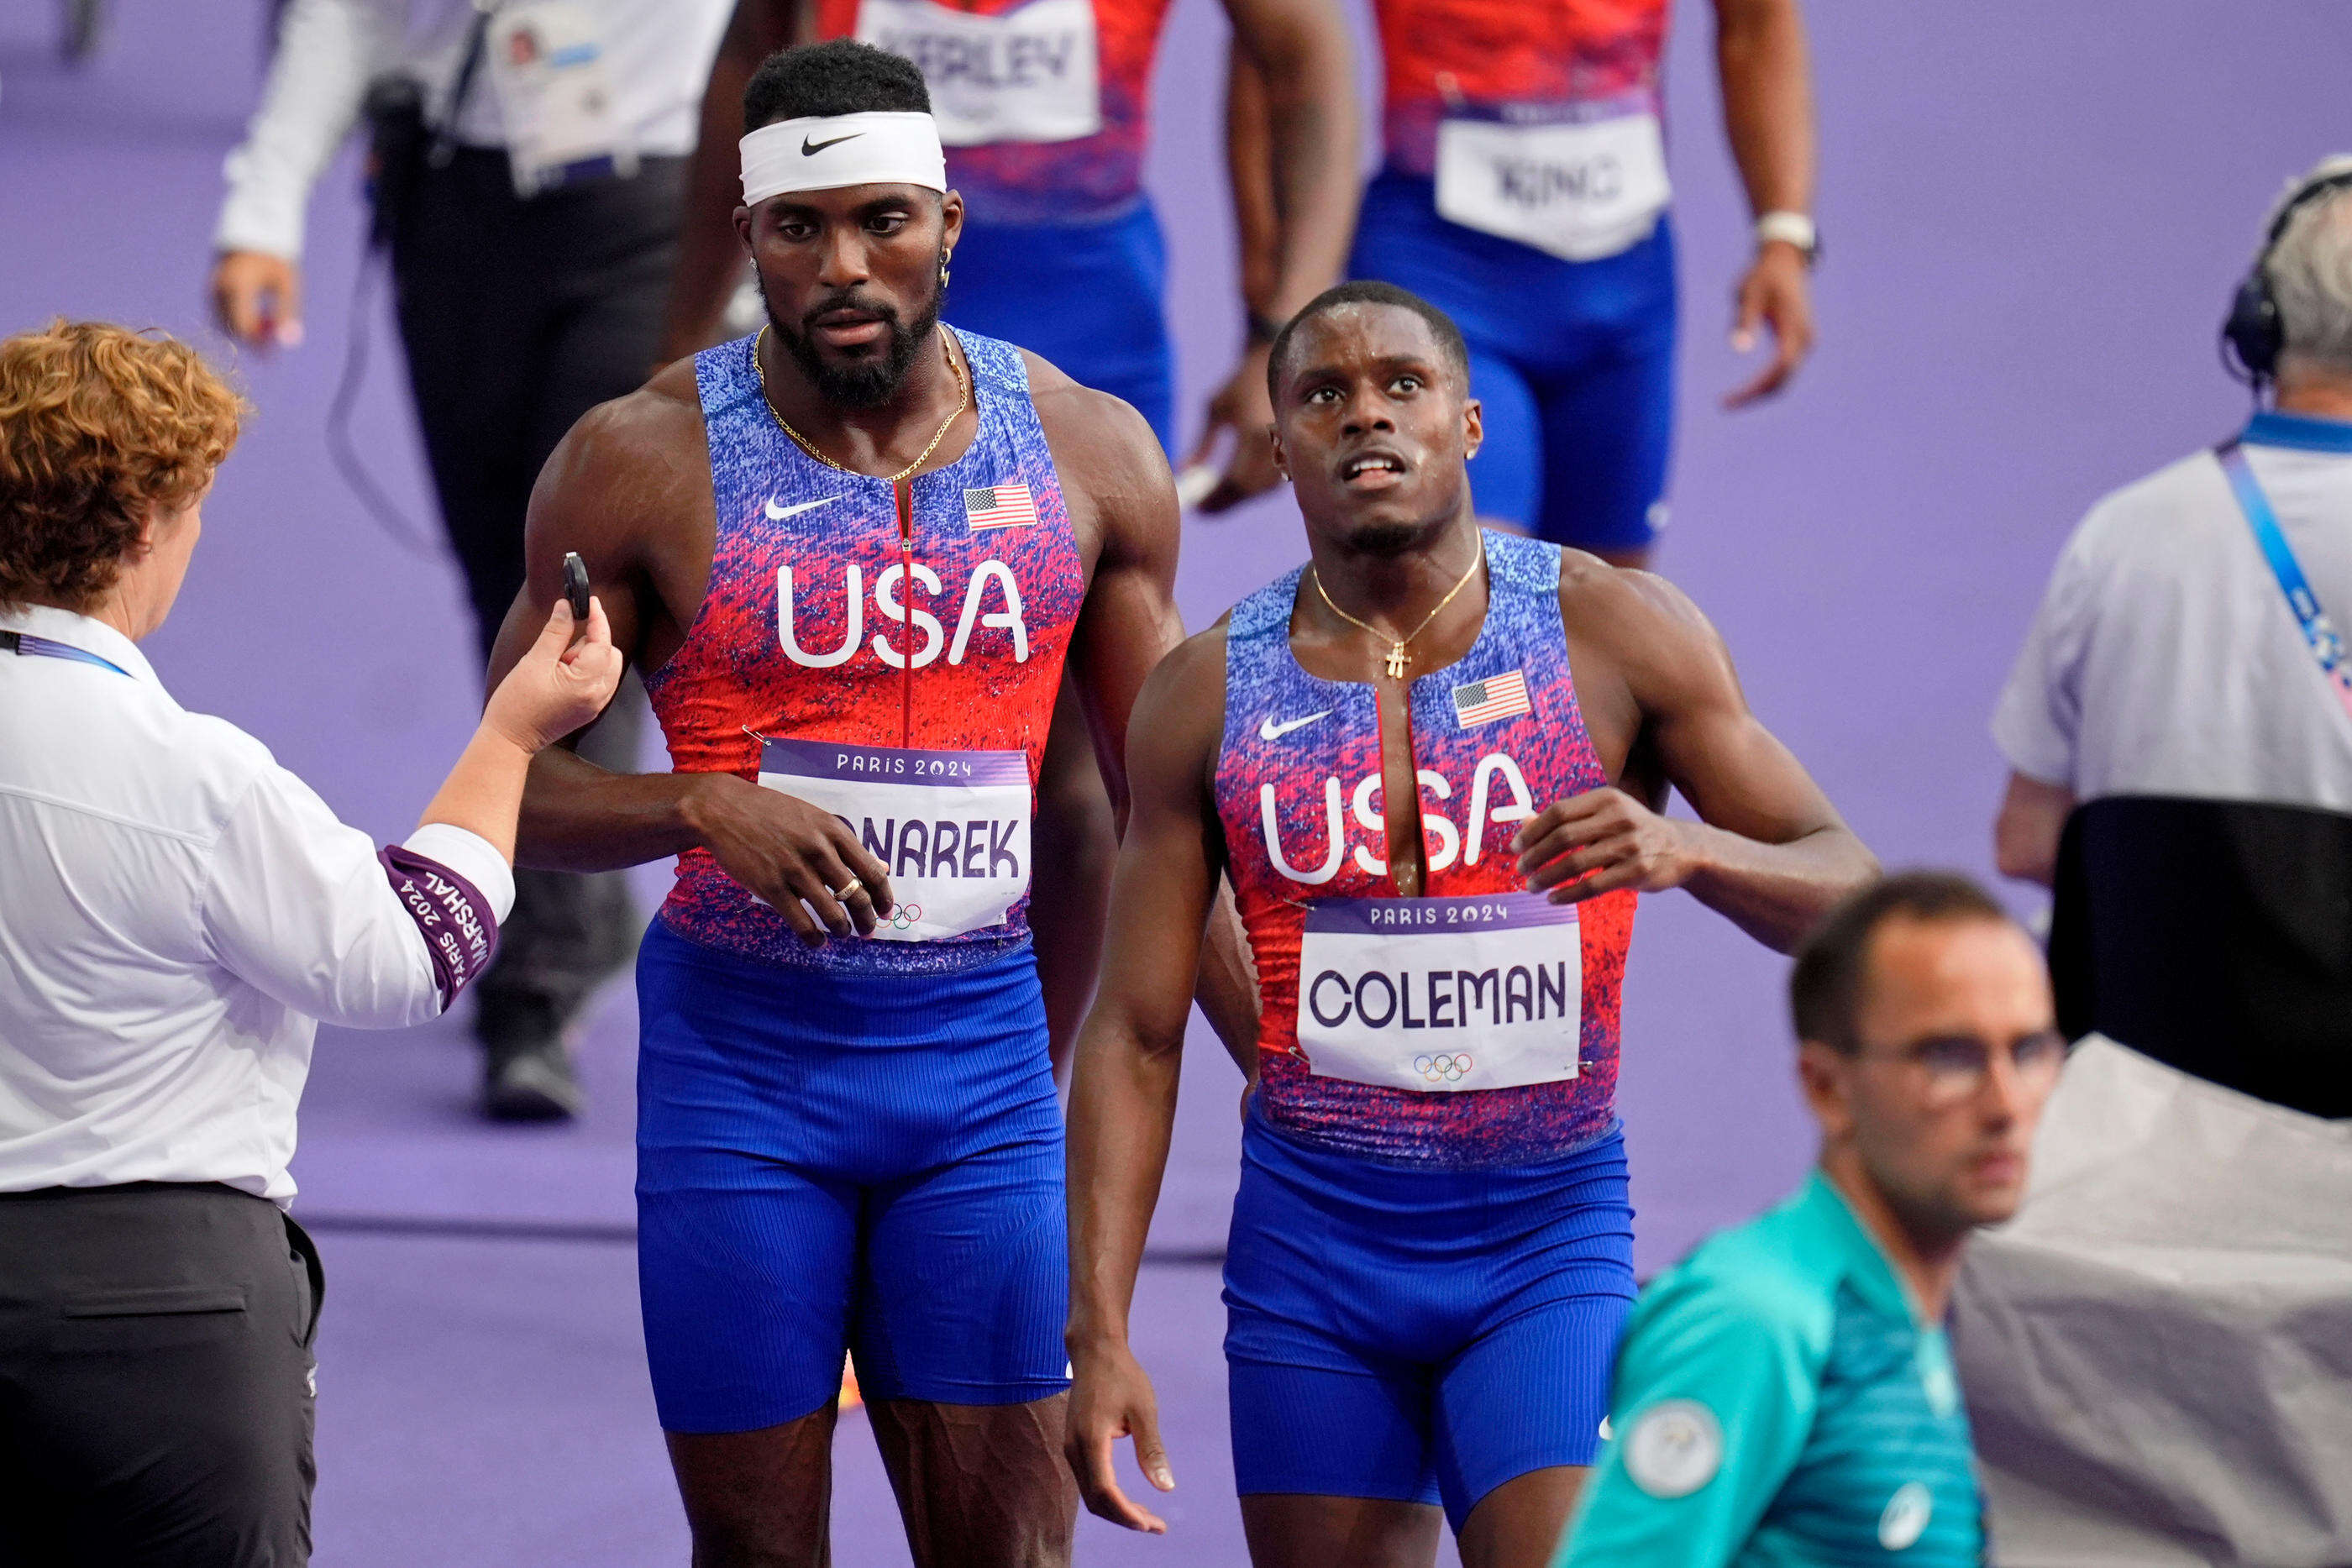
<point>1496,696</point>
<point>999,506</point>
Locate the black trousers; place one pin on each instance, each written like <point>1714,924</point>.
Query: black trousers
<point>156,1382</point>
<point>518,317</point>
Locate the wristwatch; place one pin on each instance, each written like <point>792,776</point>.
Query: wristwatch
<point>1791,228</point>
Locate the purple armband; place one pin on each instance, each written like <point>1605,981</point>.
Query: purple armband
<point>460,931</point>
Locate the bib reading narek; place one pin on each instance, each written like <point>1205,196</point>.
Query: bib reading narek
<point>952,826</point>
<point>1441,994</point>
<point>1577,189</point>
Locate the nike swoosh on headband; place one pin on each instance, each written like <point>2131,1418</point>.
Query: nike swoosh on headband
<point>778,514</point>
<point>1269,730</point>
<point>811,148</point>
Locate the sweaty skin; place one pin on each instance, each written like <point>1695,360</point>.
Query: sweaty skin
<point>630,490</point>
<point>1663,707</point>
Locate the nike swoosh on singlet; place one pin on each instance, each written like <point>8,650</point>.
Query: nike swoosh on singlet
<point>1269,730</point>
<point>778,514</point>
<point>811,148</point>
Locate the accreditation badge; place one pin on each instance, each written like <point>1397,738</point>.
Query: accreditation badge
<point>1029,73</point>
<point>547,67</point>
<point>952,826</point>
<point>1442,994</point>
<point>1578,188</point>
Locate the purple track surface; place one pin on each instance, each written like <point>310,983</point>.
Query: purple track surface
<point>2035,214</point>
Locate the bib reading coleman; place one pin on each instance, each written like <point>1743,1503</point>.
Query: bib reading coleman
<point>1477,1024</point>
<point>899,672</point>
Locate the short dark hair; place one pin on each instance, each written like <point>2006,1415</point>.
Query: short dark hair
<point>1825,987</point>
<point>1441,325</point>
<point>840,76</point>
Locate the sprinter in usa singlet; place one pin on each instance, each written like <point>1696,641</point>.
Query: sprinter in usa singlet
<point>1432,1247</point>
<point>1523,189</point>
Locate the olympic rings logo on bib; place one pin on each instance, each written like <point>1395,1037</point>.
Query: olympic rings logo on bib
<point>902,916</point>
<point>1442,1069</point>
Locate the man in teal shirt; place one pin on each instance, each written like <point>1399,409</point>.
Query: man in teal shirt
<point>1785,1395</point>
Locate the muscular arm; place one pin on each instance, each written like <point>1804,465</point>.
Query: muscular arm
<point>1768,112</point>
<point>1306,85</point>
<point>710,257</point>
<point>629,489</point>
<point>1291,146</point>
<point>1123,1088</point>
<point>1770,851</point>
<point>1767,100</point>
<point>1130,621</point>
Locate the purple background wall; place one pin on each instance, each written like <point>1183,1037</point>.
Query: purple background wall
<point>2033,216</point>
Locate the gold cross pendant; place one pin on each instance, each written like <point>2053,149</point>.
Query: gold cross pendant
<point>1398,660</point>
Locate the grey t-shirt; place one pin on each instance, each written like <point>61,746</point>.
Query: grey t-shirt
<point>2163,659</point>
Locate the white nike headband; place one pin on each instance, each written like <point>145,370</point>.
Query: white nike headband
<point>829,152</point>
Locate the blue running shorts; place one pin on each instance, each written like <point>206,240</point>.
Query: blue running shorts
<point>1416,1334</point>
<point>1088,297</point>
<point>829,1161</point>
<point>1573,360</point>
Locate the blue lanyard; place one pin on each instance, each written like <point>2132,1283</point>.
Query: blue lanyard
<point>2319,634</point>
<point>32,647</point>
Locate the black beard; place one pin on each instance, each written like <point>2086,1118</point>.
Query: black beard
<point>868,383</point>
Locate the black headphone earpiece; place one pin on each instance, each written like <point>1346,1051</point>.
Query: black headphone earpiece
<point>2251,335</point>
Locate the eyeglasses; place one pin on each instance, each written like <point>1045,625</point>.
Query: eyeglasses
<point>1958,1066</point>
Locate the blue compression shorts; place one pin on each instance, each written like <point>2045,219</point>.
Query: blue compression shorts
<point>829,1161</point>
<point>1573,360</point>
<point>1415,1333</point>
<point>1088,297</point>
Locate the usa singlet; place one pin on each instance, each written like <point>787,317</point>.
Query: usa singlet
<point>1478,1025</point>
<point>890,655</point>
<point>858,1145</point>
<point>1043,105</point>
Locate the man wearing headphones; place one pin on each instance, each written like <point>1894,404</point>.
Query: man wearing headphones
<point>2253,541</point>
<point>2181,720</point>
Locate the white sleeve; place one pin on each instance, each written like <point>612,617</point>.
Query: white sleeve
<point>328,51</point>
<point>2040,716</point>
<point>298,906</point>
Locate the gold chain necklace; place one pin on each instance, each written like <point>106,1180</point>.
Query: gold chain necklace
<point>963,401</point>
<point>1398,659</point>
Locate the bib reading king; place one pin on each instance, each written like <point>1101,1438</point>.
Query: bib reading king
<point>888,654</point>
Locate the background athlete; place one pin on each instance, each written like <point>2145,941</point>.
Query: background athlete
<point>1432,1248</point>
<point>1786,1392</point>
<point>1045,108</point>
<point>1524,191</point>
<point>851,553</point>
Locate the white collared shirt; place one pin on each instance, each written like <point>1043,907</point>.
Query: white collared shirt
<point>176,911</point>
<point>2163,659</point>
<point>658,55</point>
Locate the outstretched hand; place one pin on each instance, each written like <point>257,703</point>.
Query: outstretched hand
<point>562,684</point>
<point>1775,292</point>
<point>1110,1398</point>
<point>1600,841</point>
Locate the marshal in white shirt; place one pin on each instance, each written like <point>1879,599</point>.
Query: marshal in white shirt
<point>178,912</point>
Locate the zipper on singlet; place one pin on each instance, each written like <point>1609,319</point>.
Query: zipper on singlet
<point>1412,772</point>
<point>905,491</point>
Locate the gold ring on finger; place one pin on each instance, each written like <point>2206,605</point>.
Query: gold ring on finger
<point>851,887</point>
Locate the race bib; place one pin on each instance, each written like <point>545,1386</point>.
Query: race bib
<point>952,826</point>
<point>1029,74</point>
<point>1579,190</point>
<point>1439,994</point>
<point>546,64</point>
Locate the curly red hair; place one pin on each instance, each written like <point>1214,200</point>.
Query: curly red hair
<point>98,427</point>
